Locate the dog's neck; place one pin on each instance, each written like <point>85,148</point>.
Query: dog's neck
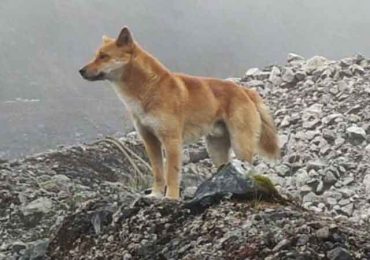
<point>143,68</point>
<point>140,77</point>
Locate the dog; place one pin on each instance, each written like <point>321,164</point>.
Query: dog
<point>171,109</point>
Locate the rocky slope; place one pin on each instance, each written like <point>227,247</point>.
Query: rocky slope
<point>85,202</point>
<point>322,110</point>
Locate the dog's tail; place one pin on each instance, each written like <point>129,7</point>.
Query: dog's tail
<point>268,143</point>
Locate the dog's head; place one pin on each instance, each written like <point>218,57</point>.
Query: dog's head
<point>111,59</point>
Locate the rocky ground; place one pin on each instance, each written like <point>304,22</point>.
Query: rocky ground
<point>322,110</point>
<point>86,202</point>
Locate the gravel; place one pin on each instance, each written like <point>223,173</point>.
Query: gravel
<point>86,201</point>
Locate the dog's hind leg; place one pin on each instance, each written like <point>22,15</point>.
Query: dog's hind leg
<point>244,125</point>
<point>218,147</point>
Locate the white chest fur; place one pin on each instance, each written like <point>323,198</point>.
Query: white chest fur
<point>131,104</point>
<point>136,109</point>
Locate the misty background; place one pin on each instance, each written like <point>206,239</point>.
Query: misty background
<point>44,102</point>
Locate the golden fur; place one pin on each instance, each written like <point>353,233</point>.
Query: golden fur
<point>170,109</point>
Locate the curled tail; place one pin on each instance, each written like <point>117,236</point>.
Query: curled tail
<point>268,143</point>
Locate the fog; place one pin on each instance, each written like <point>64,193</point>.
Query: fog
<point>43,43</point>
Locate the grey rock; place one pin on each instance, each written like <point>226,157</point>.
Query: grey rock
<point>40,205</point>
<point>316,63</point>
<point>316,165</point>
<point>255,83</point>
<point>320,188</point>
<point>288,75</point>
<point>252,72</point>
<point>275,76</point>
<point>311,124</point>
<point>339,253</point>
<point>331,201</point>
<point>38,249</point>
<point>339,141</point>
<point>346,210</point>
<point>366,183</point>
<point>18,246</point>
<point>300,75</point>
<point>329,119</point>
<point>285,122</point>
<point>305,189</point>
<point>346,193</point>
<point>283,140</point>
<point>309,197</point>
<point>281,245</point>
<point>314,109</point>
<point>282,170</point>
<point>303,240</point>
<point>294,57</point>
<point>189,192</point>
<point>329,178</point>
<point>346,62</point>
<point>323,233</point>
<point>356,133</point>
<point>344,202</point>
<point>127,256</point>
<point>355,68</point>
<point>347,181</point>
<point>229,181</point>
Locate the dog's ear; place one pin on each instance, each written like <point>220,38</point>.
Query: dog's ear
<point>107,39</point>
<point>125,37</point>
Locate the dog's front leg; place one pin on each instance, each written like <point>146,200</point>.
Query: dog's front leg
<point>173,150</point>
<point>154,152</point>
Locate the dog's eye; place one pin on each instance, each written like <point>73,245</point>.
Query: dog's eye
<point>102,56</point>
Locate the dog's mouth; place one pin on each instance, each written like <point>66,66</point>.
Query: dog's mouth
<point>100,76</point>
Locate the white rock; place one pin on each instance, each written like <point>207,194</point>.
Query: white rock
<point>252,72</point>
<point>233,79</point>
<point>355,132</point>
<point>366,183</point>
<point>275,76</point>
<point>316,62</point>
<point>42,205</point>
<point>314,109</point>
<point>288,75</point>
<point>294,57</point>
<point>355,68</point>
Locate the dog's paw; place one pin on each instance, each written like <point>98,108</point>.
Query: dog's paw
<point>157,195</point>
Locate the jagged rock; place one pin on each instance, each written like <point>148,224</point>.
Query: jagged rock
<point>40,205</point>
<point>36,250</point>
<point>253,72</point>
<point>323,233</point>
<point>329,178</point>
<point>347,210</point>
<point>231,182</point>
<point>356,133</point>
<point>18,246</point>
<point>339,253</point>
<point>316,63</point>
<point>288,75</point>
<point>282,170</point>
<point>256,83</point>
<point>366,182</point>
<point>316,165</point>
<point>275,76</point>
<point>292,57</point>
<point>355,68</point>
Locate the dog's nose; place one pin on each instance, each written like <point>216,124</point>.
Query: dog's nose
<point>82,71</point>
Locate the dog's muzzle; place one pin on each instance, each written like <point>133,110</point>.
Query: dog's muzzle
<point>87,76</point>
